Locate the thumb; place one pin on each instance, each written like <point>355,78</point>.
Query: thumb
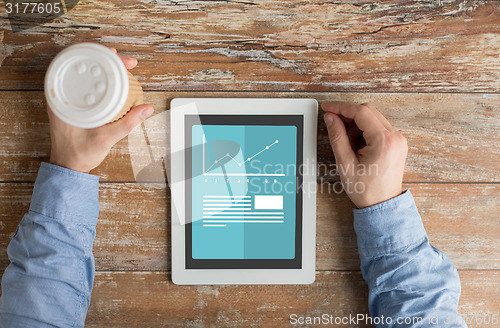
<point>344,155</point>
<point>120,129</point>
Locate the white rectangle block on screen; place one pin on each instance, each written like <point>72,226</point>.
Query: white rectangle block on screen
<point>268,202</point>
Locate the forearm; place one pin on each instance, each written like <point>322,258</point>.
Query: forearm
<point>50,278</point>
<point>406,276</point>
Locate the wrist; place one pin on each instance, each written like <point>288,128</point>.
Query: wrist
<point>68,165</point>
<point>378,198</point>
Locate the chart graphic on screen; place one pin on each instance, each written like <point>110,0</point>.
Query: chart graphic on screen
<point>228,156</point>
<point>243,191</point>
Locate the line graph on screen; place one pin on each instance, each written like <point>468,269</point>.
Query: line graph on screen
<point>209,170</point>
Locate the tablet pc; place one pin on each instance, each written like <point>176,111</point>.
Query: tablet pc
<point>243,188</point>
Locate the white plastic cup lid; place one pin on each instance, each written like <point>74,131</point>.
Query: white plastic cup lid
<point>86,85</point>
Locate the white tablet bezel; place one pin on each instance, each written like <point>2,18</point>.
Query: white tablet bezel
<point>180,107</point>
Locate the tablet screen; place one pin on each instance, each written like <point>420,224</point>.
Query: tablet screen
<point>243,191</point>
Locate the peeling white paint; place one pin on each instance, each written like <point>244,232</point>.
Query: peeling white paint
<point>250,55</point>
<point>5,49</point>
<point>212,74</point>
<point>208,290</point>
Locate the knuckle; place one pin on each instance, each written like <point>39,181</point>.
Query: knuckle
<point>335,137</point>
<point>405,144</point>
<point>388,138</point>
<point>402,139</point>
<point>128,126</point>
<point>364,109</point>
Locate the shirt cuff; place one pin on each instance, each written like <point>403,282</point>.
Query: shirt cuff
<point>389,227</point>
<point>66,195</point>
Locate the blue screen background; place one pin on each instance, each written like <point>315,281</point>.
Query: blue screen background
<point>270,171</point>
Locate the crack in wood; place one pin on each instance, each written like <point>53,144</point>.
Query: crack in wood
<point>163,34</point>
<point>250,55</point>
<point>381,29</point>
<point>75,26</point>
<point>187,3</point>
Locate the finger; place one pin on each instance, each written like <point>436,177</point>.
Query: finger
<point>344,155</point>
<point>380,117</point>
<point>53,119</point>
<point>362,115</point>
<point>118,130</point>
<point>50,112</point>
<point>129,62</point>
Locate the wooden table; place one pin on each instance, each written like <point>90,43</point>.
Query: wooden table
<point>431,67</point>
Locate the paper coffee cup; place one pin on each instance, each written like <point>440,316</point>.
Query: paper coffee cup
<point>87,86</point>
<point>135,97</point>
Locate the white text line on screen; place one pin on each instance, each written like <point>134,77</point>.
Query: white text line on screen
<point>243,221</point>
<point>213,196</point>
<point>226,200</point>
<point>247,174</point>
<point>227,208</point>
<point>227,204</point>
<point>246,213</point>
<point>241,217</point>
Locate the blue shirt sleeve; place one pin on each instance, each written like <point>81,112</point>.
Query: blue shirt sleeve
<point>49,280</point>
<point>411,283</point>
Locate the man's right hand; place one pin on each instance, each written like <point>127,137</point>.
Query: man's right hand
<point>370,153</point>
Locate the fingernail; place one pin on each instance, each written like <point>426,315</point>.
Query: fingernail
<point>147,112</point>
<point>328,120</point>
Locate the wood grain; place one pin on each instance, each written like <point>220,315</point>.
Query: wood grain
<point>138,299</point>
<point>452,137</point>
<point>133,231</point>
<point>446,50</point>
<point>275,45</point>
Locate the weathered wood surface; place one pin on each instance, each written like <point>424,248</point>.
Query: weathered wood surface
<point>435,47</point>
<point>133,231</point>
<point>452,137</point>
<point>275,45</point>
<point>138,299</point>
